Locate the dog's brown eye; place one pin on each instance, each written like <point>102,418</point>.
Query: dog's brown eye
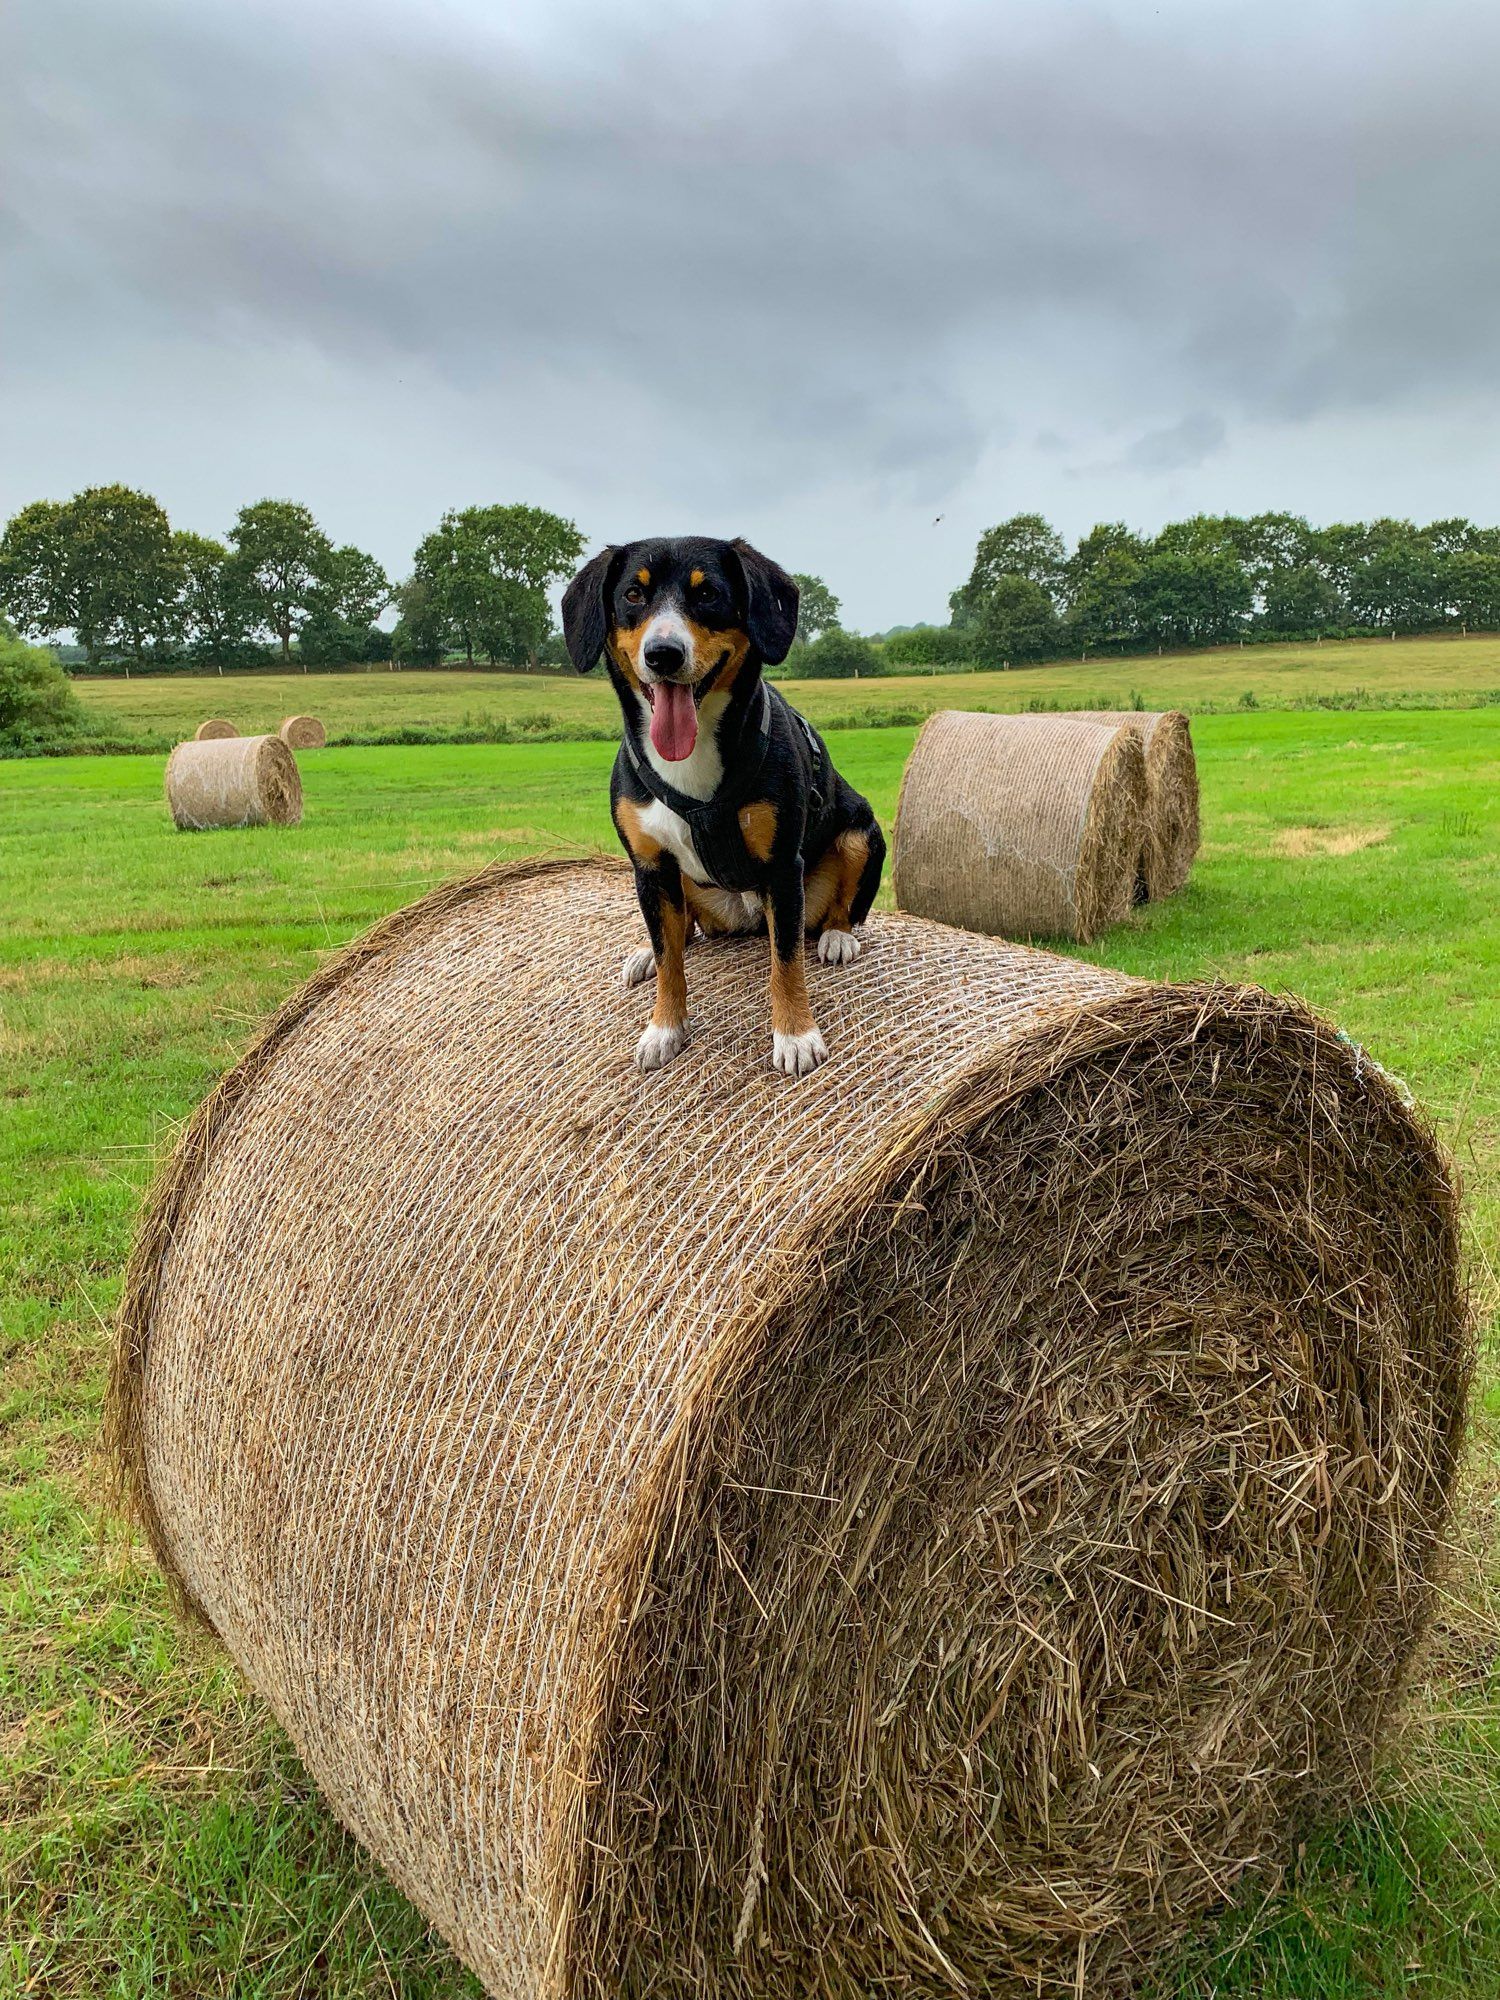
<point>635,595</point>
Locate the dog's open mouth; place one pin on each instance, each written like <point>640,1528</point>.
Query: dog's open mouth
<point>674,720</point>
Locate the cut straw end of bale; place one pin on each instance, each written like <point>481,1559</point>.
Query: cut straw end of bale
<point>233,781</point>
<point>1172,823</point>
<point>928,1528</point>
<point>215,728</point>
<point>303,732</point>
<point>1021,826</point>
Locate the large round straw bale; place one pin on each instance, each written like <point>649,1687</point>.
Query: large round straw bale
<point>215,727</point>
<point>238,781</point>
<point>1171,793</point>
<point>921,1529</point>
<point>303,732</point>
<point>1020,825</point>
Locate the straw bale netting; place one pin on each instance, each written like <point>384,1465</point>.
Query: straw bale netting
<point>215,727</point>
<point>234,781</point>
<point>921,1529</point>
<point>303,732</point>
<point>1021,825</point>
<point>1171,793</point>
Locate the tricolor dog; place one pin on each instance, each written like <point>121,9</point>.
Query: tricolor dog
<point>725,798</point>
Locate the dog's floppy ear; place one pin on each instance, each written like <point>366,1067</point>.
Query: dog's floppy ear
<point>585,614</point>
<point>771,597</point>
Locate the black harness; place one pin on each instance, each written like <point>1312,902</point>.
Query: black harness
<point>714,824</point>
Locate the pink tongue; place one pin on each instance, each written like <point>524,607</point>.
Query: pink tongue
<point>674,721</point>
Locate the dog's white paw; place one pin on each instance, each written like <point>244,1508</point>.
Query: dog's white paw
<point>637,967</point>
<point>658,1046</point>
<point>798,1055</point>
<point>839,947</point>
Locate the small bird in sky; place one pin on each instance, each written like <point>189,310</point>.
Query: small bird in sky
<point>936,519</point>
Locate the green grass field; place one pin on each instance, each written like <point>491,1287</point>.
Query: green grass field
<point>1431,672</point>
<point>156,1835</point>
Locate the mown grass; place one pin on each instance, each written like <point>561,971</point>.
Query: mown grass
<point>156,1835</point>
<point>500,707</point>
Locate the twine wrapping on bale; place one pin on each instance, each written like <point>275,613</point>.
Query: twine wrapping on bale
<point>213,729</point>
<point>1171,794</point>
<point>1020,825</point>
<point>234,781</point>
<point>924,1529</point>
<point>303,732</point>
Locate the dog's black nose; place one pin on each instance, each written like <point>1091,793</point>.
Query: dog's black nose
<point>665,656</point>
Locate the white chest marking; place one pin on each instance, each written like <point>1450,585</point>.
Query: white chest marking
<point>662,824</point>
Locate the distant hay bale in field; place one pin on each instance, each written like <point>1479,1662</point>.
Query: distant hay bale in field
<point>303,732</point>
<point>1171,793</point>
<point>234,781</point>
<point>1021,825</point>
<point>926,1529</point>
<point>212,730</point>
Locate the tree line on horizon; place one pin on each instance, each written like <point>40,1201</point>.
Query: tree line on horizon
<point>1207,581</point>
<point>108,567</point>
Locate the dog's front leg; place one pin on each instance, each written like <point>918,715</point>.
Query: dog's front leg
<point>796,1045</point>
<point>659,890</point>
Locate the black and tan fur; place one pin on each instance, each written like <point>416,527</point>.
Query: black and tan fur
<point>752,828</point>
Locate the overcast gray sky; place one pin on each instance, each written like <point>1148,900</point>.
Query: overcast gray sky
<point>814,273</point>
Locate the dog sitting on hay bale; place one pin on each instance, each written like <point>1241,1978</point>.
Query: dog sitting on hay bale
<point>724,797</point>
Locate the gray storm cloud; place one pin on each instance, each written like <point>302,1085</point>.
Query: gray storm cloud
<point>819,272</point>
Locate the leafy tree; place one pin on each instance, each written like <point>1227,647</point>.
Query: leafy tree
<point>1100,581</point>
<point>1016,621</point>
<point>1300,599</point>
<point>37,706</point>
<point>487,570</point>
<point>356,588</point>
<point>284,564</point>
<point>837,655</point>
<point>214,615</point>
<point>1340,551</point>
<point>1471,581</point>
<point>1026,546</point>
<point>35,576</point>
<point>1190,598</point>
<point>1400,582</point>
<point>817,607</point>
<point>340,625</point>
<point>126,579</point>
<point>99,564</point>
<point>452,571</point>
<point>419,638</point>
<point>1270,545</point>
<point>516,621</point>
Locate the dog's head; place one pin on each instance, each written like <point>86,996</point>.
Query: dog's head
<point>678,619</point>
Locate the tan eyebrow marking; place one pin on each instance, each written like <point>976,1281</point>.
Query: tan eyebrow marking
<point>643,576</point>
<point>696,578</point>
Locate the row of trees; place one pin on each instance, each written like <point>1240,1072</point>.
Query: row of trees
<point>108,567</point>
<point>1213,578</point>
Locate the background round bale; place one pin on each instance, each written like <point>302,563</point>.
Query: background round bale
<point>234,781</point>
<point>924,1528</point>
<point>1020,825</point>
<point>303,732</point>
<point>1172,828</point>
<point>215,727</point>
